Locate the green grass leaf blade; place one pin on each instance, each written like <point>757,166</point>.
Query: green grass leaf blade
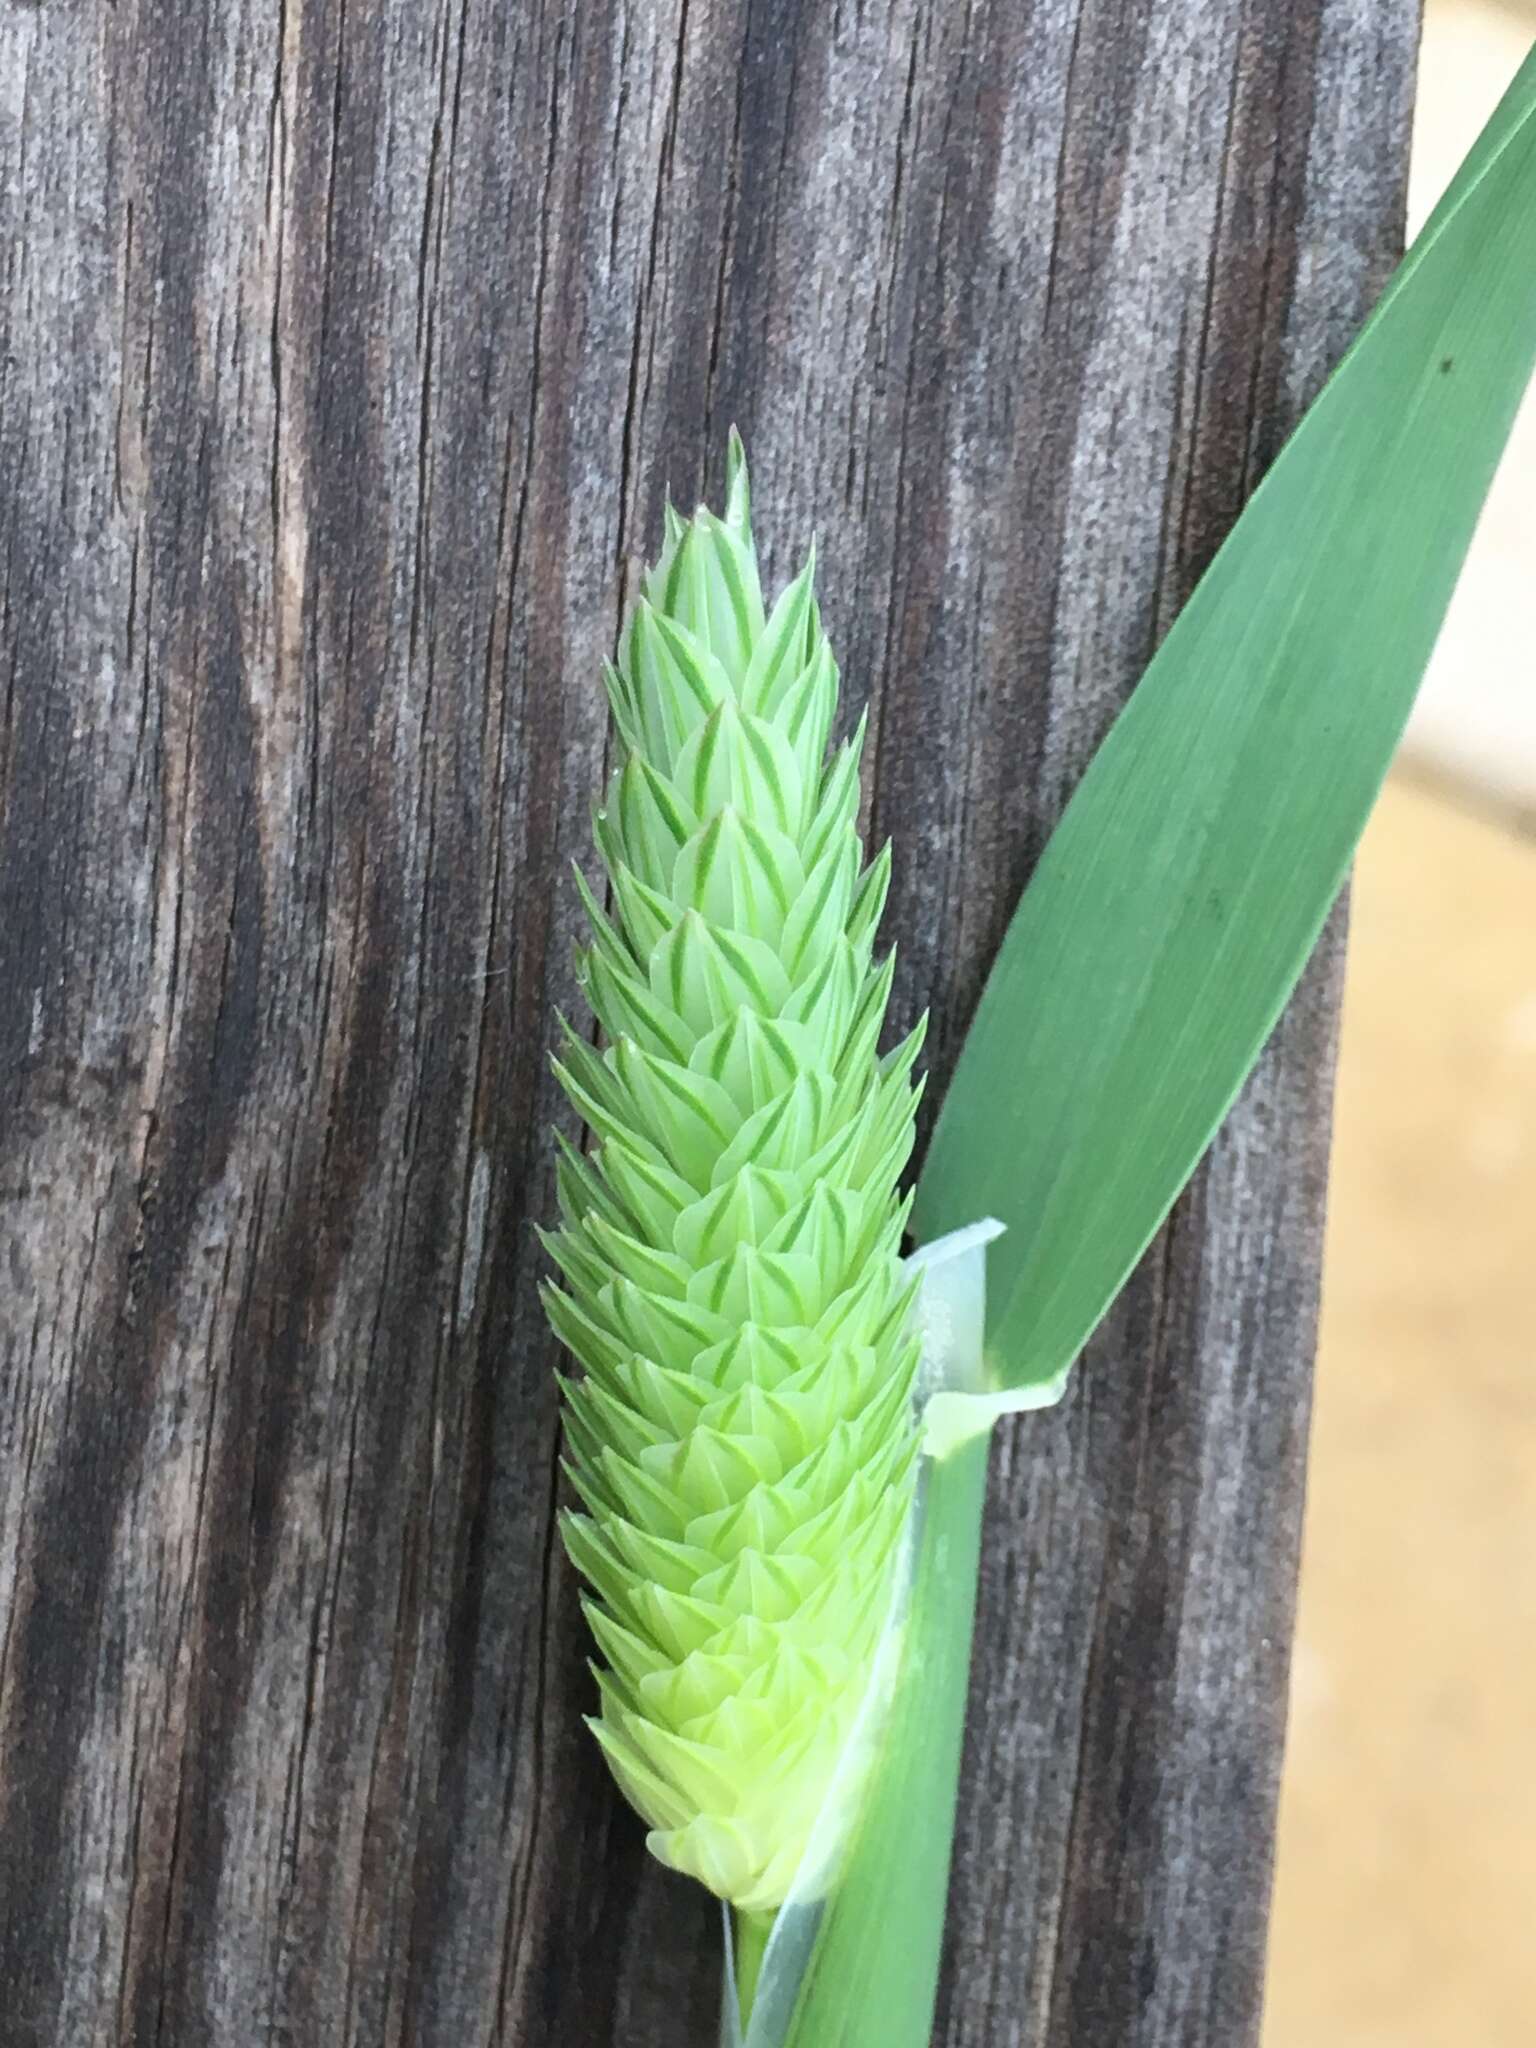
<point>1181,894</point>
<point>875,1965</point>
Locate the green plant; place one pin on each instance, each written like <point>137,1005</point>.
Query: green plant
<point>744,1438</point>
<point>1160,936</point>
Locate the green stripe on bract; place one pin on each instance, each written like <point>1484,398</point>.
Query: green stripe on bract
<point>743,1440</point>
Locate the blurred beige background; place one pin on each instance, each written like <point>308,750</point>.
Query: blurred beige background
<point>1405,1908</point>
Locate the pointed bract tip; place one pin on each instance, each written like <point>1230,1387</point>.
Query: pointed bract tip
<point>738,489</point>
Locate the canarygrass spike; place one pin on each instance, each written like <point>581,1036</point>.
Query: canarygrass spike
<point>743,1440</point>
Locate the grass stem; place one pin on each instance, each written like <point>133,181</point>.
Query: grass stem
<point>752,1932</point>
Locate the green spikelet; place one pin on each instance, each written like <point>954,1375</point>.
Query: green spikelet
<point>742,1438</point>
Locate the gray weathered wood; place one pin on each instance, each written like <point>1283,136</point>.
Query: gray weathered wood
<point>349,346</point>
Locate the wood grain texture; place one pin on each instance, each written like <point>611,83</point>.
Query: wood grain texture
<point>349,346</point>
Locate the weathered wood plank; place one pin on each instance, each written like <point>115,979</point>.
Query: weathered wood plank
<point>348,348</point>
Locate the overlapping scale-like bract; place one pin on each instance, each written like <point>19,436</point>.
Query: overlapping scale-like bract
<point>742,1438</point>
